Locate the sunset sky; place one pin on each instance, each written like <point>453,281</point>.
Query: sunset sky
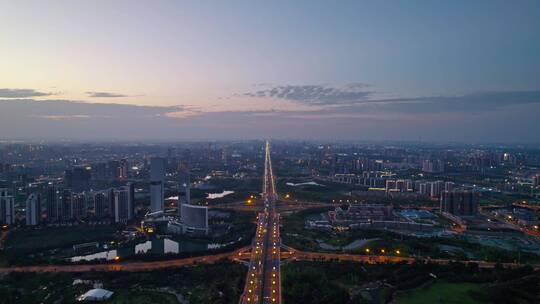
<point>364,70</point>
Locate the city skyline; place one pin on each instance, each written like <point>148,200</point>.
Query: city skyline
<point>361,70</point>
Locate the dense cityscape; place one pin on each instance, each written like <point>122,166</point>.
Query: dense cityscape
<point>92,209</point>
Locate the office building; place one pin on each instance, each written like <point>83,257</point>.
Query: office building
<point>461,203</point>
<point>157,177</point>
<point>7,208</point>
<point>33,209</point>
<point>194,219</point>
<point>123,204</point>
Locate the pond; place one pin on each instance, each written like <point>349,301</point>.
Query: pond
<point>218,195</point>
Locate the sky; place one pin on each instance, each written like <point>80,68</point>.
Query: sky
<point>466,71</point>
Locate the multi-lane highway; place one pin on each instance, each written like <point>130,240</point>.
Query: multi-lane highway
<point>263,281</point>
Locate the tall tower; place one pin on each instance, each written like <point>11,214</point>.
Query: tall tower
<point>33,209</point>
<point>53,214</point>
<point>157,176</point>
<point>7,208</point>
<point>184,181</point>
<point>123,204</point>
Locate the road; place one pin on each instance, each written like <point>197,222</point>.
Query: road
<point>263,281</point>
<point>124,266</point>
<point>378,259</point>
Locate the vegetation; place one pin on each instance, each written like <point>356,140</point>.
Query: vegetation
<point>442,292</point>
<point>350,282</point>
<point>143,297</point>
<point>29,245</point>
<point>198,284</point>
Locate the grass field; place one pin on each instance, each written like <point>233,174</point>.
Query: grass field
<point>441,292</point>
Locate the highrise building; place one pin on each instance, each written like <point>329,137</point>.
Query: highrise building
<point>448,186</point>
<point>33,209</point>
<point>432,166</point>
<point>464,203</point>
<point>79,206</point>
<point>112,167</point>
<point>123,204</point>
<point>7,208</point>
<point>123,169</point>
<point>66,208</point>
<point>52,207</point>
<point>101,202</point>
<point>435,188</point>
<point>184,196</point>
<point>157,177</point>
<point>536,180</point>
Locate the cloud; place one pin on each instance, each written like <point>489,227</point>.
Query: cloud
<point>105,95</point>
<point>467,103</point>
<point>316,95</point>
<point>22,93</point>
<point>357,97</point>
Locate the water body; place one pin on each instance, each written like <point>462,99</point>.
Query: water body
<point>305,184</point>
<point>155,246</point>
<point>218,195</point>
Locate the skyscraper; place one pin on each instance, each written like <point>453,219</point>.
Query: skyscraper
<point>7,208</point>
<point>52,204</point>
<point>33,209</point>
<point>184,181</point>
<point>101,204</point>
<point>123,204</point>
<point>66,208</point>
<point>157,176</point>
<point>79,206</point>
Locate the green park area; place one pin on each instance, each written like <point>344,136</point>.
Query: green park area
<point>441,292</point>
